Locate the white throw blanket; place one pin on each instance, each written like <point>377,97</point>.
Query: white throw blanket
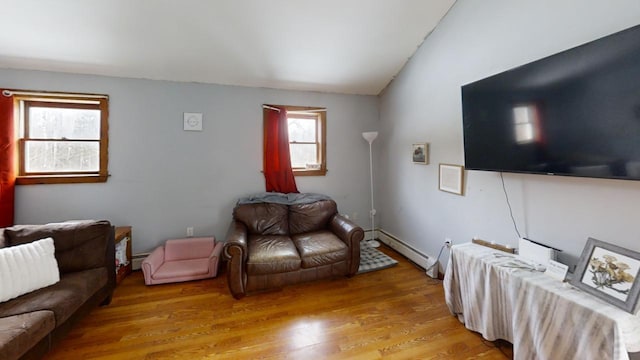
<point>28,267</point>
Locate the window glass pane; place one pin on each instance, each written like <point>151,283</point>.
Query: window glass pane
<point>522,114</point>
<point>63,156</point>
<point>59,123</point>
<point>524,133</point>
<point>303,154</point>
<point>302,130</point>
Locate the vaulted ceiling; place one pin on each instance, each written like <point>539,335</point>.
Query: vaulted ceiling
<point>342,46</point>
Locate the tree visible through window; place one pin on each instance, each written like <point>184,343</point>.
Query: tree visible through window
<point>62,139</point>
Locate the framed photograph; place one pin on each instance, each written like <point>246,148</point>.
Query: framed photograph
<point>610,273</point>
<point>451,178</point>
<point>420,154</point>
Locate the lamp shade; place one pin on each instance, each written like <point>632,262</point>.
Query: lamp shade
<point>370,136</point>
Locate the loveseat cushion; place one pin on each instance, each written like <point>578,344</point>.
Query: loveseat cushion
<point>19,333</point>
<point>271,254</point>
<point>310,217</point>
<point>79,245</point>
<point>182,268</point>
<point>263,218</point>
<point>63,298</point>
<point>320,248</point>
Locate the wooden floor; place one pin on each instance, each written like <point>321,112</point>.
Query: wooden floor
<point>396,313</point>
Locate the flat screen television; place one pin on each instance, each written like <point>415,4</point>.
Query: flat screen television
<point>575,113</point>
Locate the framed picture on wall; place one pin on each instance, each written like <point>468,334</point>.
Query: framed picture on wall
<point>451,178</point>
<point>420,154</point>
<point>609,272</point>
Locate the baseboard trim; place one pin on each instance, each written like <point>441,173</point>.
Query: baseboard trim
<point>419,258</point>
<point>370,235</point>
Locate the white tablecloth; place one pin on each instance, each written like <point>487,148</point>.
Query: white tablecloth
<point>542,317</point>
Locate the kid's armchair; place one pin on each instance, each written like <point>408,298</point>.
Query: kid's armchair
<point>182,260</point>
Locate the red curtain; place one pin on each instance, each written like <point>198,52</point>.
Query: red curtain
<point>7,160</point>
<point>277,159</point>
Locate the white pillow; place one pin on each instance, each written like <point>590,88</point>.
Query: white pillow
<point>28,267</point>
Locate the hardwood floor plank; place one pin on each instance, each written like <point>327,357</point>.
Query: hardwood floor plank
<point>396,313</point>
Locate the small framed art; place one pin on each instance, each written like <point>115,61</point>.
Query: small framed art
<point>451,178</point>
<point>420,154</point>
<point>609,272</point>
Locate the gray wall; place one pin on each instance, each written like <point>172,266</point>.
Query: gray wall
<point>423,104</point>
<point>165,179</point>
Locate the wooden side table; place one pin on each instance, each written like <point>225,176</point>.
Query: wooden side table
<point>124,232</point>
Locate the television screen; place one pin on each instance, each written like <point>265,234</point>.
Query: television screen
<point>576,113</point>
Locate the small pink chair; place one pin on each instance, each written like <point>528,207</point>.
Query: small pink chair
<point>182,260</point>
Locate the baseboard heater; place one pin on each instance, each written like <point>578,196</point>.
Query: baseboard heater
<point>419,258</point>
<point>136,260</point>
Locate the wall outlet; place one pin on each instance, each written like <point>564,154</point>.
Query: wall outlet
<point>190,231</point>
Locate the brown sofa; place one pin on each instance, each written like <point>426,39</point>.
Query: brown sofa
<point>34,322</point>
<point>270,245</point>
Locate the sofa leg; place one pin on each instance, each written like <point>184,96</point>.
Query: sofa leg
<point>107,300</point>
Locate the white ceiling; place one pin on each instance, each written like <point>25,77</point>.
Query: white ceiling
<point>343,46</point>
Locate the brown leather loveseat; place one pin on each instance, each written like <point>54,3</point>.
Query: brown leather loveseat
<point>281,239</point>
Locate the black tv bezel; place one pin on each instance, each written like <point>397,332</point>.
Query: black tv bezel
<point>625,39</point>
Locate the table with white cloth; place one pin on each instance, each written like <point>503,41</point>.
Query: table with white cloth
<point>499,296</point>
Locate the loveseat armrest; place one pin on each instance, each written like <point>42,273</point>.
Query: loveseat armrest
<point>236,237</point>
<point>217,250</point>
<point>351,234</point>
<point>214,258</point>
<point>151,264</point>
<point>3,242</point>
<point>235,252</point>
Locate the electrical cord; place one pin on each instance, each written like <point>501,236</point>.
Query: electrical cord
<point>437,259</point>
<point>506,196</point>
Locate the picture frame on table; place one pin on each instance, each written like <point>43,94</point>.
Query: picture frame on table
<point>420,153</point>
<point>451,178</point>
<point>609,272</point>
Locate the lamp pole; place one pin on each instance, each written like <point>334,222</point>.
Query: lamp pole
<point>370,136</point>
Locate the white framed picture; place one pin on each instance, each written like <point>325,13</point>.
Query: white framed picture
<point>451,178</point>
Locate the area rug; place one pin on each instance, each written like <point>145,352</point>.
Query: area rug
<point>371,259</point>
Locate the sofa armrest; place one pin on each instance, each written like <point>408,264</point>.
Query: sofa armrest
<point>151,263</point>
<point>3,242</point>
<point>351,234</point>
<point>217,250</point>
<point>214,258</point>
<point>235,252</point>
<point>236,237</point>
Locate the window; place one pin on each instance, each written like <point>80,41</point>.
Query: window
<point>525,121</point>
<point>307,140</point>
<point>62,138</point>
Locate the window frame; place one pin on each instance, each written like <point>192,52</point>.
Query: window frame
<point>24,100</point>
<point>320,114</point>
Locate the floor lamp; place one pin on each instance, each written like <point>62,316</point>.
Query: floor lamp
<point>370,136</point>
